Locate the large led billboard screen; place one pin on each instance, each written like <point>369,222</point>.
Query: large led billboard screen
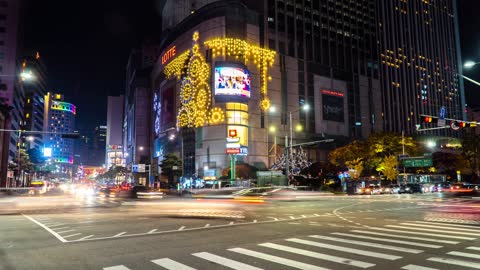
<point>232,81</point>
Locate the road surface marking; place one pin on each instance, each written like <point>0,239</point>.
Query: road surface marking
<point>368,244</point>
<point>442,227</point>
<point>152,231</point>
<point>449,224</point>
<point>455,262</point>
<point>58,236</point>
<point>181,228</point>
<point>345,249</point>
<point>388,240</point>
<point>61,228</point>
<point>59,224</point>
<point>224,261</point>
<point>207,225</point>
<point>408,237</point>
<point>119,234</point>
<point>417,267</point>
<point>254,221</point>
<point>463,254</point>
<point>474,248</point>
<point>422,233</point>
<point>75,234</point>
<point>231,223</point>
<point>318,255</point>
<point>292,217</point>
<point>275,259</point>
<point>66,231</point>
<point>118,267</point>
<point>431,230</point>
<point>86,237</point>
<point>171,264</point>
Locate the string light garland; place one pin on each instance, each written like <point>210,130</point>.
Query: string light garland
<point>263,58</point>
<point>195,93</point>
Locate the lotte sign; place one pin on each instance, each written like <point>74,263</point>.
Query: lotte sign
<point>233,151</point>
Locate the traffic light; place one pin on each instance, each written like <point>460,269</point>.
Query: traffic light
<point>467,124</point>
<point>429,119</point>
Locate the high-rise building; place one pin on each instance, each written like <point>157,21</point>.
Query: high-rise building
<point>35,91</point>
<point>11,95</point>
<point>114,147</point>
<point>289,54</point>
<point>420,63</point>
<point>97,155</point>
<point>59,120</point>
<point>137,112</point>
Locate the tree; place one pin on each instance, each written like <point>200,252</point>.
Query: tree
<point>350,152</point>
<point>356,166</point>
<point>296,163</point>
<point>471,152</point>
<point>170,160</point>
<point>25,165</point>
<point>389,167</point>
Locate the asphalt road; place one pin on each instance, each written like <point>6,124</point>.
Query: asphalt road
<point>375,232</point>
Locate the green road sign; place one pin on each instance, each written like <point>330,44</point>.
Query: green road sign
<point>417,162</point>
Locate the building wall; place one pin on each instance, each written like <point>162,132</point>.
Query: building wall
<point>114,149</point>
<point>419,63</point>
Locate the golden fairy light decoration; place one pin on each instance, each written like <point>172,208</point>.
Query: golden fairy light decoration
<point>263,58</point>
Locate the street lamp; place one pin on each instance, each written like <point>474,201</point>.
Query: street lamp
<point>470,64</point>
<point>305,107</point>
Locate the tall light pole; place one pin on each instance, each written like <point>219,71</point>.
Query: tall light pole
<point>305,107</point>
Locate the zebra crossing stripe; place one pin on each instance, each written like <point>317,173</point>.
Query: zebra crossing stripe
<point>171,264</point>
<point>224,261</point>
<point>368,244</point>
<point>464,254</point>
<point>346,249</point>
<point>474,248</point>
<point>472,265</point>
<point>449,224</point>
<point>388,240</point>
<point>417,267</point>
<point>318,255</point>
<point>275,259</point>
<point>422,233</point>
<point>117,267</point>
<point>442,227</point>
<point>430,230</point>
<point>407,237</point>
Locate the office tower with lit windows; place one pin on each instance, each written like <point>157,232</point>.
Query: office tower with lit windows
<point>420,63</point>
<point>59,119</point>
<point>35,91</point>
<point>114,148</point>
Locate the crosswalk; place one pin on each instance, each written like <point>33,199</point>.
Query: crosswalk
<point>366,248</point>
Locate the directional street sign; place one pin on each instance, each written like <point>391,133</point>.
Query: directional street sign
<point>417,162</point>
<point>443,112</point>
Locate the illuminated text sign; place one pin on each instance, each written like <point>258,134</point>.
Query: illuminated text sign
<point>169,55</point>
<point>332,93</point>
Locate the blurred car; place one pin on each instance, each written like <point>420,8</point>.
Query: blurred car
<point>142,192</point>
<point>411,188</point>
<point>376,190</point>
<point>366,191</point>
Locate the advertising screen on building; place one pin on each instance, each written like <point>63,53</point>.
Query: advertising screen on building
<point>232,81</point>
<point>332,102</point>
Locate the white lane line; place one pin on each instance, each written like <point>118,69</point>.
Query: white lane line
<point>207,225</point>
<point>231,223</point>
<point>119,234</point>
<point>474,248</point>
<point>431,230</point>
<point>318,255</point>
<point>417,267</point>
<point>58,236</point>
<point>225,261</point>
<point>455,262</point>
<point>421,233</point>
<point>117,267</point>
<point>407,237</point>
<point>75,234</point>
<point>464,254</point>
<point>442,227</point>
<point>66,231</point>
<point>449,224</point>
<point>152,231</point>
<point>292,217</point>
<point>61,228</point>
<point>254,221</point>
<point>345,249</point>
<point>368,244</point>
<point>171,264</point>
<point>181,228</point>
<point>86,237</point>
<point>388,240</point>
<point>275,259</point>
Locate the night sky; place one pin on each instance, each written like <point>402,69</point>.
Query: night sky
<point>85,45</point>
